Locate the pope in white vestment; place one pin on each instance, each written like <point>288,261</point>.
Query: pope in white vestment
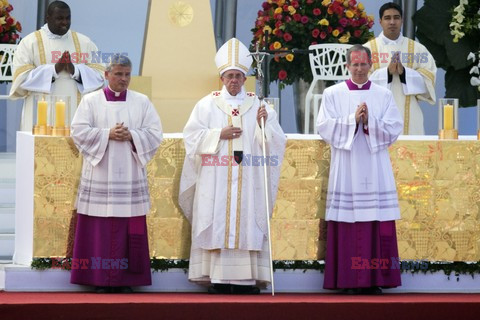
<point>222,190</point>
<point>360,120</point>
<point>417,81</point>
<point>35,60</point>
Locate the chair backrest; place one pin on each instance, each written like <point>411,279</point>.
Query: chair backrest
<point>6,61</point>
<point>328,61</point>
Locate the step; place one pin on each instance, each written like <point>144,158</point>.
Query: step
<point>7,219</point>
<point>7,165</point>
<point>7,179</point>
<point>7,245</point>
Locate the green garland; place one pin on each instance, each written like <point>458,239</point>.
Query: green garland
<point>407,266</point>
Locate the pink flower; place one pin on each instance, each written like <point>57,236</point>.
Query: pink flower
<point>352,3</point>
<point>266,6</point>
<point>287,36</point>
<point>315,33</point>
<point>297,17</point>
<point>304,20</point>
<point>282,75</point>
<point>357,33</point>
<point>295,4</point>
<point>323,35</point>
<point>5,38</point>
<point>343,22</point>
<point>317,12</point>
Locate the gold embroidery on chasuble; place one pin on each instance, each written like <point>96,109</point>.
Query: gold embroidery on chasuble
<point>41,47</point>
<point>406,114</point>
<point>235,119</point>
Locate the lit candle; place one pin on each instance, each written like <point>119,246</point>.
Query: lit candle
<point>60,114</point>
<point>42,107</point>
<point>448,117</point>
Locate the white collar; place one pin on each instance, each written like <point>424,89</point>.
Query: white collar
<point>227,96</point>
<point>117,94</point>
<point>388,41</point>
<point>51,35</point>
<point>359,85</point>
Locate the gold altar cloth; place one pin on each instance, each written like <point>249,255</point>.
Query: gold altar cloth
<point>438,187</point>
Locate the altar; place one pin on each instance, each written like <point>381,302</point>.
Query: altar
<point>438,185</point>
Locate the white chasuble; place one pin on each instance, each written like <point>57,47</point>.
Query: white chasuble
<point>114,181</point>
<point>420,72</point>
<point>361,185</point>
<point>34,69</point>
<point>225,201</point>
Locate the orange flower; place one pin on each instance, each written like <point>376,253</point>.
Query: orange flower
<point>335,33</point>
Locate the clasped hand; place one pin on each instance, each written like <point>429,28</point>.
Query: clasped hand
<point>120,133</point>
<point>362,113</point>
<point>395,66</point>
<point>65,63</point>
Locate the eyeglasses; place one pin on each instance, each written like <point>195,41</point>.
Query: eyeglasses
<point>231,76</point>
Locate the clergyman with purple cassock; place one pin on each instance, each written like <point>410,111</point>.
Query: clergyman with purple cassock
<point>118,131</point>
<point>360,120</point>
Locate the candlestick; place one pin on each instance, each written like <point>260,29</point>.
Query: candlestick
<point>60,114</point>
<point>42,107</point>
<point>448,117</point>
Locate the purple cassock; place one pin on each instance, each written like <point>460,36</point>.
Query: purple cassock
<point>111,252</point>
<point>361,254</point>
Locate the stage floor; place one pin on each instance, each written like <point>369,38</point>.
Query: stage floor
<point>41,305</point>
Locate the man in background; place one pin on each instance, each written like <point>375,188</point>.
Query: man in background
<point>54,60</point>
<point>404,66</point>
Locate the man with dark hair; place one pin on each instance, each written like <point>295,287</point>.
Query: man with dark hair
<point>404,66</point>
<point>118,132</point>
<point>54,60</point>
<point>360,120</point>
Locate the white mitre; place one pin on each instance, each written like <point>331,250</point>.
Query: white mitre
<point>233,55</point>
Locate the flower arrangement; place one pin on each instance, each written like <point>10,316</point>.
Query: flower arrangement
<point>297,24</point>
<point>466,21</point>
<point>8,25</point>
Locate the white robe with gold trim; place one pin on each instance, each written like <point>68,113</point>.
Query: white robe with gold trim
<point>420,77</point>
<point>34,69</point>
<point>225,202</point>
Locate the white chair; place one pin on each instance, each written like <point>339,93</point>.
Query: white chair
<point>327,62</point>
<point>6,63</point>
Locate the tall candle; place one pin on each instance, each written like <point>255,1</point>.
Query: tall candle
<point>42,107</point>
<point>60,114</point>
<point>448,117</point>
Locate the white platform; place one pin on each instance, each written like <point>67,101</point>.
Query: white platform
<point>21,278</point>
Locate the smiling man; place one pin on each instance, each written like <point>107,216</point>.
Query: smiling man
<point>54,60</point>
<point>404,66</point>
<point>359,120</point>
